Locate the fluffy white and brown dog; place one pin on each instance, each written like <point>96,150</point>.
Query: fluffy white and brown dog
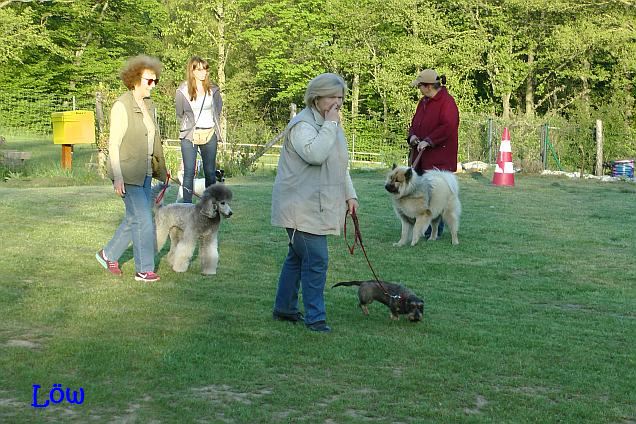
<point>420,200</point>
<point>187,223</point>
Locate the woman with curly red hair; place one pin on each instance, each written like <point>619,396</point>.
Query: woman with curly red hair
<point>135,157</point>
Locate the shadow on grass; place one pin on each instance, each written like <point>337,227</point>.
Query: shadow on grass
<point>480,178</point>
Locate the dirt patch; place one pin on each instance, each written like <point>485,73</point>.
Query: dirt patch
<point>480,402</point>
<point>22,343</point>
<point>131,411</point>
<point>223,394</point>
<point>361,416</point>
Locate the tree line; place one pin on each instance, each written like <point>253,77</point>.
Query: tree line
<point>566,62</point>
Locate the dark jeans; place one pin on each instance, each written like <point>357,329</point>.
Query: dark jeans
<point>189,156</point>
<point>440,230</point>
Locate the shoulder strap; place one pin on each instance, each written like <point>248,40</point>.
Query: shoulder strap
<point>201,110</point>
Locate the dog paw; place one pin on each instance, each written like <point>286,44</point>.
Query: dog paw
<point>399,244</point>
<point>208,273</point>
<point>175,269</point>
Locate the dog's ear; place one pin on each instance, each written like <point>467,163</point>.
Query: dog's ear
<point>394,166</point>
<point>210,209</point>
<point>408,174</point>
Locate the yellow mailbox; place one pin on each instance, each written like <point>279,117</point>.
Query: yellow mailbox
<point>72,127</point>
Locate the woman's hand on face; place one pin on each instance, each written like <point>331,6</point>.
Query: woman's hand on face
<point>118,185</point>
<point>333,114</point>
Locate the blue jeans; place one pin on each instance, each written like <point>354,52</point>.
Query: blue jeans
<point>137,227</point>
<point>306,263</point>
<point>189,156</point>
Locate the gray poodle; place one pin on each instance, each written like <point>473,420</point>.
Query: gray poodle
<point>186,223</point>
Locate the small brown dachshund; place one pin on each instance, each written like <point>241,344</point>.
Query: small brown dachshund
<point>399,299</point>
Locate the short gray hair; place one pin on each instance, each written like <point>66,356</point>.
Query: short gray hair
<point>324,85</point>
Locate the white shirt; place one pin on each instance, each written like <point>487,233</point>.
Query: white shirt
<point>205,119</point>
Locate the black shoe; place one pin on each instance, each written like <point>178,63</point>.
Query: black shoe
<point>281,316</point>
<point>319,326</point>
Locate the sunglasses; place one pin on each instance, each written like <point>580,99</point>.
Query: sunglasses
<point>150,80</point>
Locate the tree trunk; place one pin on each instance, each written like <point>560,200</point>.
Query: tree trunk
<point>77,62</point>
<point>530,85</point>
<point>505,105</point>
<point>355,104</point>
<point>385,118</point>
<point>220,15</point>
<point>599,148</point>
<point>586,91</point>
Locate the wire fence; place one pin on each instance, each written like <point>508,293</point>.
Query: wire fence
<point>536,144</point>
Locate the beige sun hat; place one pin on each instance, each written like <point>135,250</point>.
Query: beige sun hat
<point>427,76</point>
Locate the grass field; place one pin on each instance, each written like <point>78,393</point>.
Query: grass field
<point>531,318</point>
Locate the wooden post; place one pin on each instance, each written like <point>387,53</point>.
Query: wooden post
<point>67,156</point>
<point>599,148</point>
<point>490,131</point>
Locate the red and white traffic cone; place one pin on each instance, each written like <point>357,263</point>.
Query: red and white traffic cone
<point>504,172</point>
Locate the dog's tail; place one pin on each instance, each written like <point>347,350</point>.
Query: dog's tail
<point>348,283</point>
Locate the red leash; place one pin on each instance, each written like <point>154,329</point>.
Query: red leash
<point>163,190</point>
<point>165,187</point>
<point>358,240</point>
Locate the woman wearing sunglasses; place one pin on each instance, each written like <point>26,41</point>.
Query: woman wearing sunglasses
<point>135,157</point>
<point>198,105</point>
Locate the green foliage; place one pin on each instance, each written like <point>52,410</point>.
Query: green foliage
<point>521,60</point>
<point>619,139</point>
<point>20,32</point>
<point>528,319</point>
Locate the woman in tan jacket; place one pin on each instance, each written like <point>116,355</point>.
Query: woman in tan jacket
<point>311,194</point>
<point>135,157</point>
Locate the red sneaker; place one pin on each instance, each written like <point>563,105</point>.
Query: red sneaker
<point>148,277</point>
<point>110,266</point>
